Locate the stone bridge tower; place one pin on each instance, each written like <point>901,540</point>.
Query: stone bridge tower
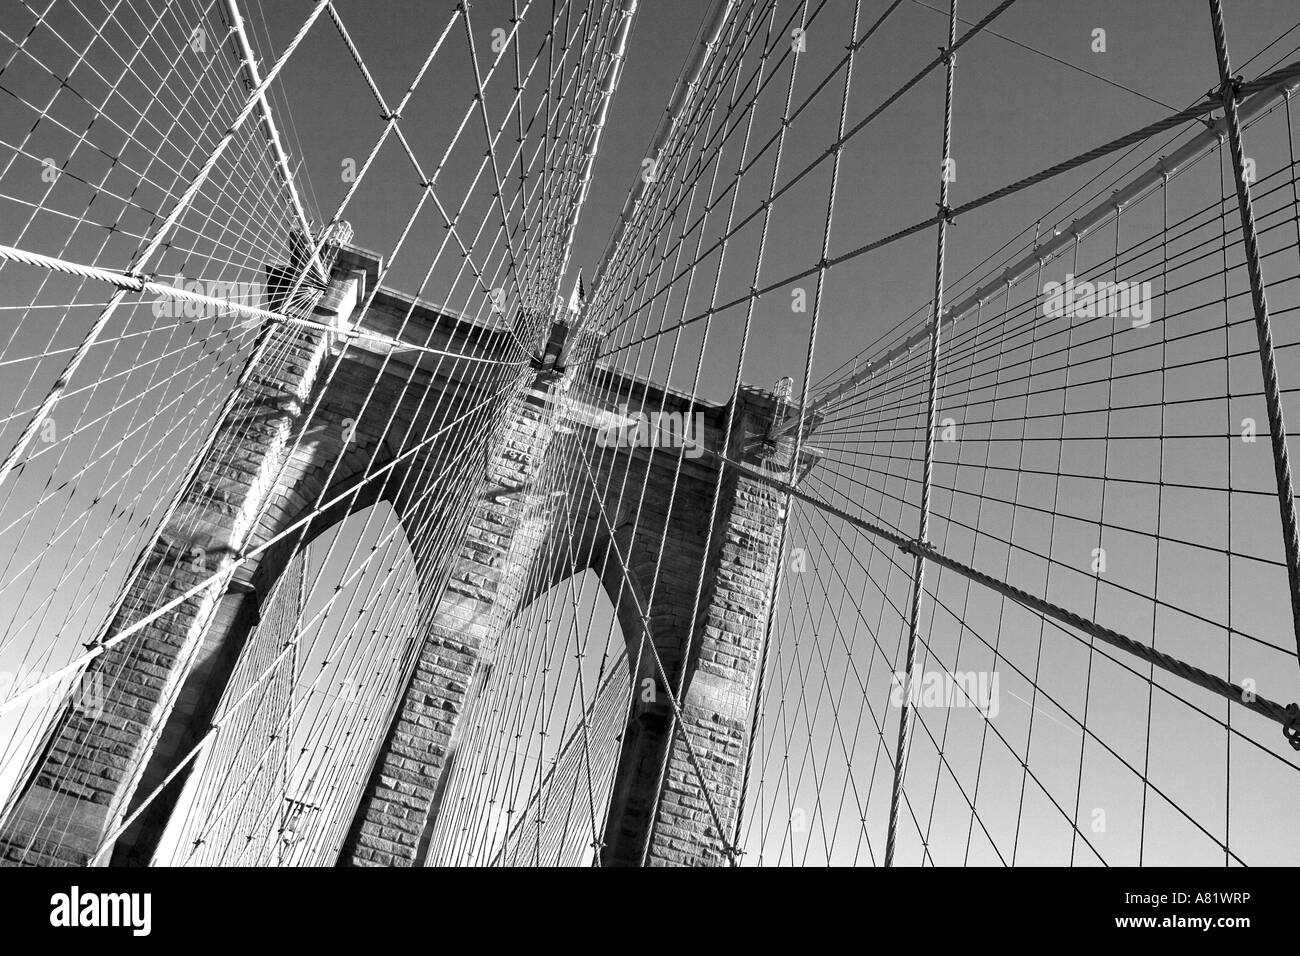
<point>639,517</point>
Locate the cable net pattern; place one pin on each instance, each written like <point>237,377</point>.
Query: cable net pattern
<point>696,565</point>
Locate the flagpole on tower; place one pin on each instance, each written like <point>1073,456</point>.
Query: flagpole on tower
<point>577,299</point>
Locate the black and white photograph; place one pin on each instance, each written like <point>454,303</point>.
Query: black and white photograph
<point>585,434</point>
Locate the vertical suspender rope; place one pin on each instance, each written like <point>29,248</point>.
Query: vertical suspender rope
<point>918,567</point>
<point>1263,329</point>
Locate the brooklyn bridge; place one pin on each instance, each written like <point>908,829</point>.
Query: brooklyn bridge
<point>648,432</point>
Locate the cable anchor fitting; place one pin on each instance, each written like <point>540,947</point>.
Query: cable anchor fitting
<point>1292,726</point>
<point>914,547</point>
<point>1233,85</point>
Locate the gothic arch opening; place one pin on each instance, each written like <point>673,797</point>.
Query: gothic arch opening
<point>557,692</point>
<point>307,703</point>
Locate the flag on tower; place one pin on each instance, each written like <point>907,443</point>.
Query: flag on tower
<point>578,297</point>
